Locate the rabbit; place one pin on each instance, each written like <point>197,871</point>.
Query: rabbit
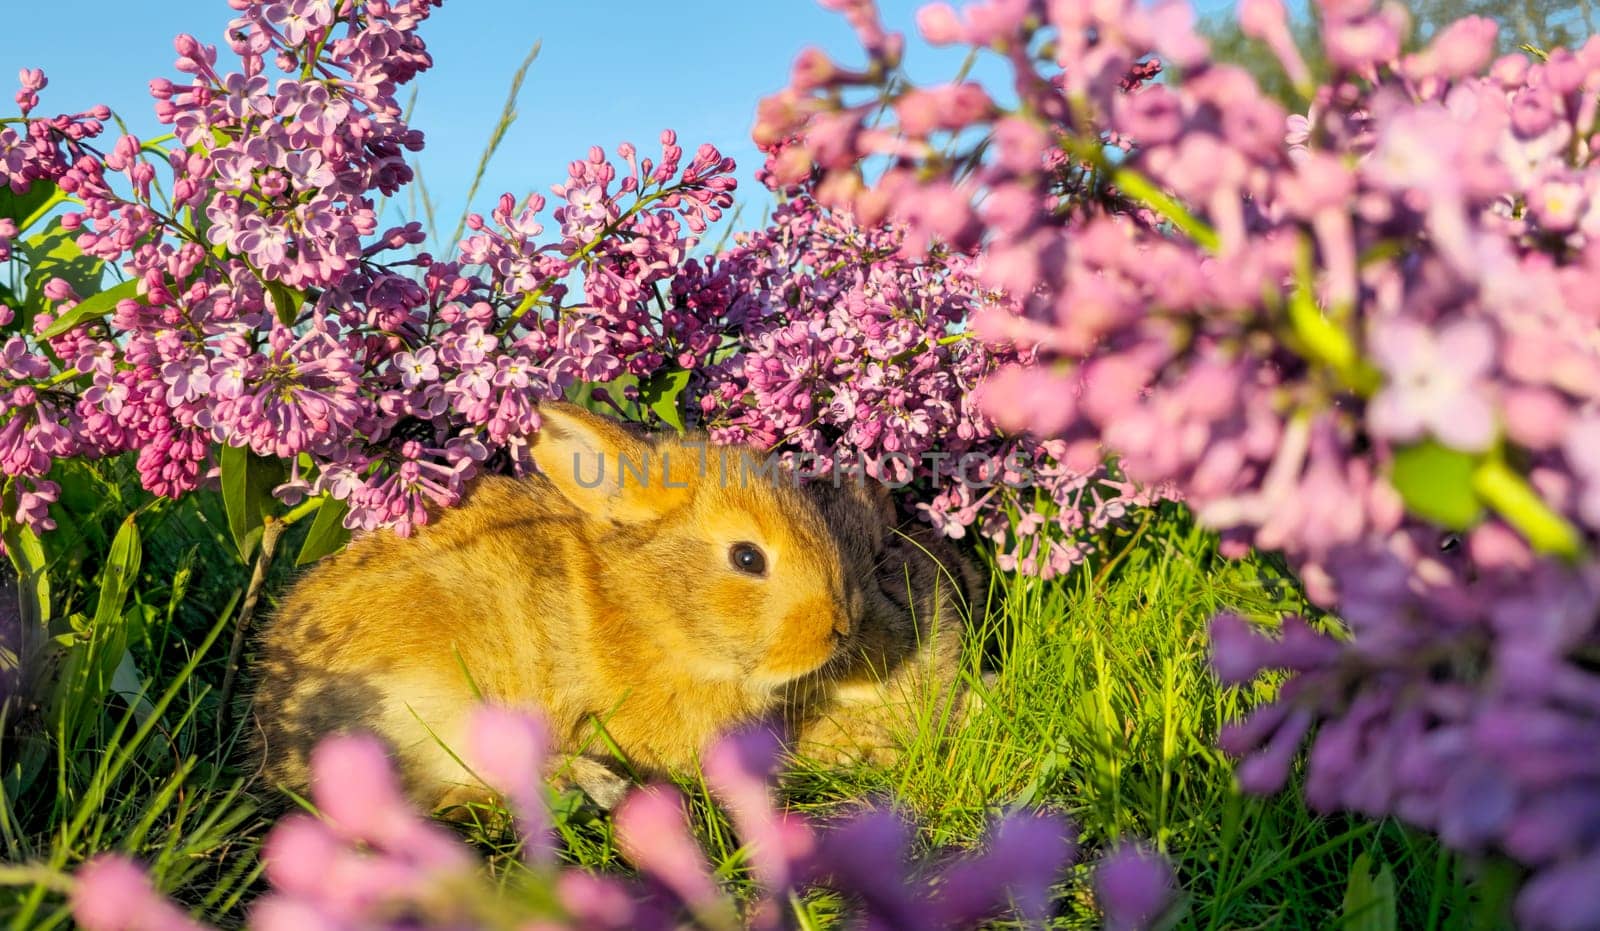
<point>901,668</point>
<point>669,607</point>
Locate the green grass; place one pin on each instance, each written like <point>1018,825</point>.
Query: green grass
<point>1101,707</point>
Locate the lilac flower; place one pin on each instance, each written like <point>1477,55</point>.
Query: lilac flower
<point>1559,203</point>
<point>1563,898</point>
<point>34,497</point>
<point>588,209</point>
<point>1435,383</point>
<point>1460,50</point>
<point>246,96</point>
<point>113,894</point>
<point>653,832</point>
<point>187,380</point>
<point>1360,42</point>
<point>303,397</point>
<point>369,857</point>
<point>1025,855</point>
<point>18,360</point>
<point>508,749</point>
<point>308,171</point>
<point>1268,21</point>
<point>417,368</point>
<point>1582,448</point>
<point>738,768</point>
<point>1133,887</point>
<point>297,19</point>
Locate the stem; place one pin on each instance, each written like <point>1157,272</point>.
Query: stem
<point>922,347</point>
<point>299,511</point>
<point>271,529</point>
<point>61,377</point>
<point>533,296</point>
<point>316,52</point>
<point>1105,571</point>
<point>1141,188</point>
<point>1323,340</point>
<point>508,115</point>
<point>40,876</point>
<point>1516,501</point>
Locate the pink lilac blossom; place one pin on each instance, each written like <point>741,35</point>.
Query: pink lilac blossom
<point>114,894</point>
<point>1280,316</point>
<point>852,357</point>
<point>370,861</point>
<point>281,318</point>
<point>286,322</point>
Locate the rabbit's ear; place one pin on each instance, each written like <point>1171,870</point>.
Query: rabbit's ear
<point>595,463</point>
<point>881,500</point>
<point>874,498</point>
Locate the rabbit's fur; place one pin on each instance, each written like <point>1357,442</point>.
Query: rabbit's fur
<point>619,603</point>
<point>900,672</point>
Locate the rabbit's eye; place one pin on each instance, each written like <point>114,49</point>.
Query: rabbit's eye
<point>748,558</point>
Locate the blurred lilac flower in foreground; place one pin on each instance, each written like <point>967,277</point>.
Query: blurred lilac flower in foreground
<point>115,895</point>
<point>1134,886</point>
<point>1434,383</point>
<point>371,861</point>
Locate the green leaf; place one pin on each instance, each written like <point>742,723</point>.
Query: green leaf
<point>91,663</point>
<point>121,570</point>
<point>28,558</point>
<point>129,683</point>
<point>235,462</point>
<point>327,533</point>
<point>54,253</point>
<point>1436,484</point>
<point>1140,188</point>
<point>1515,500</point>
<point>91,307</point>
<point>1369,901</point>
<point>25,764</point>
<point>1321,339</point>
<point>582,393</point>
<point>20,207</point>
<point>1048,770</point>
<point>247,483</point>
<point>286,301</point>
<point>660,395</point>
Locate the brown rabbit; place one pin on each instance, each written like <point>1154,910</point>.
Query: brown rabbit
<point>670,606</point>
<point>900,670</point>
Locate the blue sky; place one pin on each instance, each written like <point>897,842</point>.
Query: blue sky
<point>609,71</point>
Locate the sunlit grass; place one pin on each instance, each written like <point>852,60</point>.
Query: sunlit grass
<point>1096,702</point>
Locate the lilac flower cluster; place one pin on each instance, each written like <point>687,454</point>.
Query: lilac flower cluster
<point>842,350</point>
<point>32,434</point>
<point>1336,335</point>
<point>265,309</point>
<point>370,861</point>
